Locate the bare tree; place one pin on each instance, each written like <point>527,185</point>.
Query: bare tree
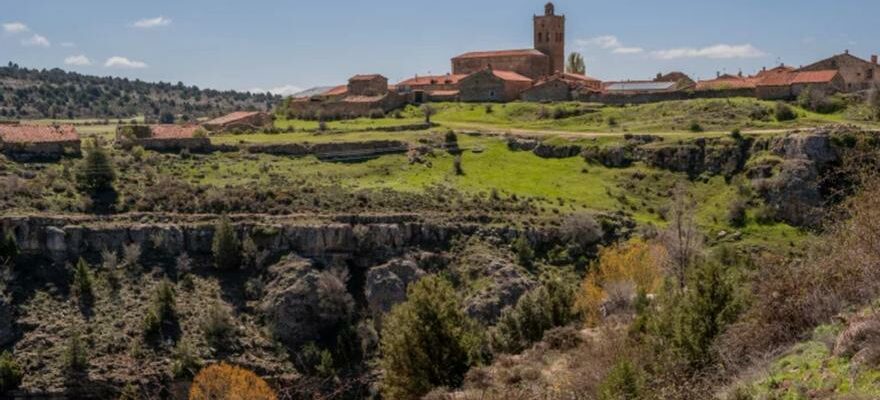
<point>682,238</point>
<point>428,111</point>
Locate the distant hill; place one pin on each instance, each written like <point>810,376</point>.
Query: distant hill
<point>58,94</point>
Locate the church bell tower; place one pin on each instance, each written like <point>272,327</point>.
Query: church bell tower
<point>550,37</point>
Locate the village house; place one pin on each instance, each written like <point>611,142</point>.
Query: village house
<point>783,84</point>
<point>561,87</point>
<point>728,85</point>
<point>420,89</point>
<point>857,74</point>
<point>491,85</point>
<point>165,137</point>
<point>239,121</point>
<point>364,96</point>
<point>38,142</point>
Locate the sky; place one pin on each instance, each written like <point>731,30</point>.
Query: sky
<point>285,46</point>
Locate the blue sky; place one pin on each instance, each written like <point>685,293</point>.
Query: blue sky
<point>275,44</point>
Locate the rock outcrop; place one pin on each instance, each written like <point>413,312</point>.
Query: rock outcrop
<point>507,283</point>
<point>302,303</point>
<point>386,284</point>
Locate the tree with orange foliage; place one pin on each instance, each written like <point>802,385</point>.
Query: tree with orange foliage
<point>224,381</point>
<point>622,272</point>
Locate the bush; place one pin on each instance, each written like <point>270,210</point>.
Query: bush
<point>224,381</point>
<point>96,171</point>
<point>225,246</point>
<point>217,326</point>
<point>736,213</point>
<point>695,127</point>
<point>582,231</point>
<point>313,360</point>
<point>428,111</point>
<point>536,312</point>
<point>8,249</point>
<point>75,355</point>
<point>624,382</point>
<point>784,112</point>
<point>524,253</point>
<point>10,373</point>
<point>162,311</point>
<point>636,265</point>
<point>489,109</point>
<point>427,341</point>
<point>376,114</point>
<point>185,364</point>
<point>82,286</point>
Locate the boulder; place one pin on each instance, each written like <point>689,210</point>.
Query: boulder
<point>793,193</point>
<point>303,303</point>
<point>386,284</point>
<point>507,285</point>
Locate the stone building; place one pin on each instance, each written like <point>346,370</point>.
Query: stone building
<point>36,142</point>
<point>420,89</point>
<point>491,85</point>
<point>787,85</point>
<point>547,57</point>
<point>561,87</point>
<point>728,85</point>
<point>239,120</point>
<point>165,137</point>
<point>365,95</point>
<point>857,74</point>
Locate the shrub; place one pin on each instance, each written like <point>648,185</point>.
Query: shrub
<point>427,341</point>
<point>695,127</point>
<point>96,171</point>
<point>612,122</point>
<point>489,109</point>
<point>224,381</point>
<point>82,286</point>
<point>536,312</point>
<point>131,255</point>
<point>582,231</point>
<point>10,373</point>
<point>225,246</point>
<point>75,355</point>
<point>376,113</point>
<point>524,253</point>
<point>736,213</point>
<point>313,360</point>
<point>563,338</point>
<point>185,364</point>
<point>162,310</point>
<point>784,112</point>
<point>450,137</point>
<point>8,249</point>
<point>624,382</point>
<point>635,264</point>
<point>428,111</point>
<point>217,326</point>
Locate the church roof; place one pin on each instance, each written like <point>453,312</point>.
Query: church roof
<point>501,53</point>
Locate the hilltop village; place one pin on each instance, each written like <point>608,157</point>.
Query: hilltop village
<point>539,75</point>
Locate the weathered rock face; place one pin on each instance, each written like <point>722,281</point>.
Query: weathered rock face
<point>813,146</point>
<point>713,157</point>
<point>302,302</point>
<point>386,284</point>
<point>611,157</point>
<point>7,322</point>
<point>507,285</point>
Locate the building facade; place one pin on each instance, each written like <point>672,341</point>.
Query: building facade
<point>549,31</point>
<point>38,142</point>
<point>857,74</point>
<point>493,86</point>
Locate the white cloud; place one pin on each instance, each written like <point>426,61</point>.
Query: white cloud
<point>285,90</point>
<point>36,40</point>
<point>122,62</point>
<point>628,50</point>
<point>68,44</point>
<point>147,23</point>
<point>79,60</point>
<point>605,42</point>
<point>718,51</point>
<point>15,27</point>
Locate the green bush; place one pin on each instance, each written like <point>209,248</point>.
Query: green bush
<point>82,286</point>
<point>217,326</point>
<point>544,308</point>
<point>96,172</point>
<point>225,246</point>
<point>784,112</point>
<point>524,253</point>
<point>427,341</point>
<point>624,382</point>
<point>695,127</point>
<point>10,373</point>
<point>76,355</point>
<point>162,311</point>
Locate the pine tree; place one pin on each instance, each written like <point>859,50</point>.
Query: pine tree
<point>97,172</point>
<point>709,306</point>
<point>8,249</point>
<point>82,282</point>
<point>226,247</point>
<point>576,64</point>
<point>427,341</point>
<point>624,382</point>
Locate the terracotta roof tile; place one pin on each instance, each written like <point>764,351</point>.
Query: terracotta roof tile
<point>448,79</point>
<point>510,76</point>
<point>365,77</point>
<point>37,133</point>
<point>337,91</point>
<point>232,117</point>
<point>578,77</point>
<point>502,53</point>
<point>728,82</point>
<point>173,131</point>
<point>814,76</point>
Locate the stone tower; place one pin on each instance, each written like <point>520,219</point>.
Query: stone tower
<point>550,37</point>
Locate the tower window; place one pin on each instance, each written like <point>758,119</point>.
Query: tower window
<point>540,37</point>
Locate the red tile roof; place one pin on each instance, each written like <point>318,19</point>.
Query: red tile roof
<point>339,90</point>
<point>37,133</point>
<point>232,117</point>
<point>728,82</point>
<point>448,79</point>
<point>444,93</point>
<point>578,77</point>
<point>510,76</point>
<point>814,76</point>
<point>502,53</point>
<point>173,131</point>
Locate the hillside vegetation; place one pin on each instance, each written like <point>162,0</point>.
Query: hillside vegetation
<point>57,94</point>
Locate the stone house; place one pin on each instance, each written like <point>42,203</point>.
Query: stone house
<point>857,74</point>
<point>787,85</point>
<point>728,85</point>
<point>165,137</point>
<point>239,120</point>
<point>420,89</point>
<point>37,142</point>
<point>560,87</point>
<point>365,95</point>
<point>491,85</point>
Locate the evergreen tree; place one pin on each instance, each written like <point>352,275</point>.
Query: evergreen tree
<point>8,249</point>
<point>524,253</point>
<point>82,282</point>
<point>10,373</point>
<point>226,247</point>
<point>427,341</point>
<point>576,64</point>
<point>97,172</point>
<point>624,382</point>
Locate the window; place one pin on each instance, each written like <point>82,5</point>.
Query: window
<point>870,74</point>
<point>540,37</point>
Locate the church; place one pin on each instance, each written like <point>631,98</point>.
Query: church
<point>545,59</point>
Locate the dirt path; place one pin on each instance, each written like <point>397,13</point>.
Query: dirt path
<point>495,130</point>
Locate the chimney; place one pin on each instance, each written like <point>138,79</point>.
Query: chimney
<point>764,69</point>
<point>874,59</point>
<point>659,75</point>
<point>740,74</point>
<point>717,74</point>
<point>846,51</point>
